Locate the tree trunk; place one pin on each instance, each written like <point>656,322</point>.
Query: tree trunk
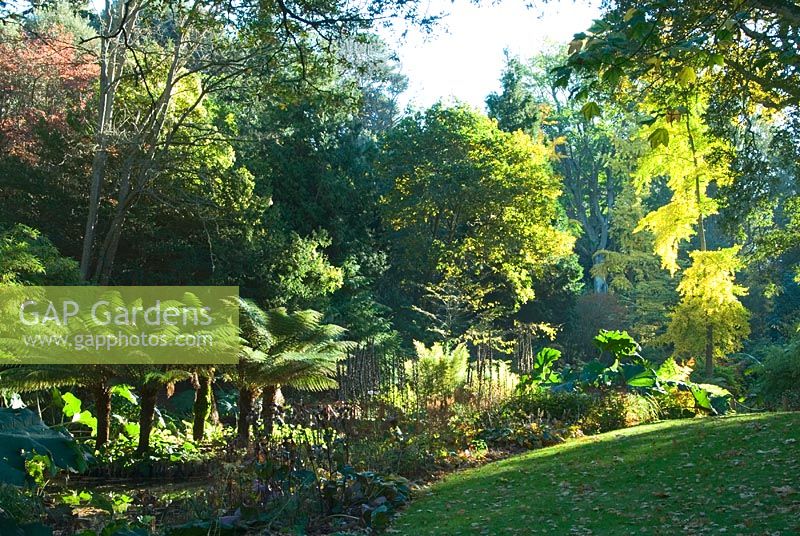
<point>116,31</point>
<point>98,171</point>
<point>214,416</point>
<point>600,283</point>
<point>102,402</point>
<point>108,251</point>
<point>268,402</point>
<point>246,397</point>
<point>147,411</point>
<point>202,405</point>
<point>100,158</point>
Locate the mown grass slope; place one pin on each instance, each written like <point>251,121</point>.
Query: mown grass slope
<point>730,475</point>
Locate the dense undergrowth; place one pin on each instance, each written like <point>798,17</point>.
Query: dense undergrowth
<point>332,467</point>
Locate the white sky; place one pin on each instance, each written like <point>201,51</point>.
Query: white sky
<point>463,58</point>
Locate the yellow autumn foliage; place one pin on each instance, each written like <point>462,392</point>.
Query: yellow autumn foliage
<point>688,173</point>
<point>710,298</point>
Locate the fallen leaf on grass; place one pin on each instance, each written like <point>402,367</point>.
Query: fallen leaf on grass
<point>783,491</point>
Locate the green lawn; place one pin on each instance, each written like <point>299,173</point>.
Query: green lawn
<point>733,475</point>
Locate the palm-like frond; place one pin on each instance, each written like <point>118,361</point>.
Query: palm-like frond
<point>252,324</point>
<point>284,325</point>
<point>26,378</point>
<point>159,374</point>
<point>308,371</point>
<point>295,348</point>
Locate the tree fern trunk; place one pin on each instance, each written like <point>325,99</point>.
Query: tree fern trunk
<point>102,402</point>
<point>147,411</point>
<point>268,401</point>
<point>202,406</point>
<point>246,397</point>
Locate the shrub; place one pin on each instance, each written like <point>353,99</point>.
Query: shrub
<point>677,404</point>
<point>779,380</point>
<point>525,435</point>
<point>417,448</point>
<point>366,495</point>
<point>538,418</point>
<point>520,422</point>
<point>565,406</point>
<point>615,409</point>
<point>735,375</point>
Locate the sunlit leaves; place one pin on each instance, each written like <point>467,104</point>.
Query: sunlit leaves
<point>671,224</point>
<point>710,299</point>
<point>580,95</point>
<point>72,409</point>
<point>440,371</point>
<point>686,76</point>
<point>612,75</point>
<point>590,110</point>
<point>575,46</point>
<point>724,37</point>
<point>685,36</point>
<point>688,173</point>
<point>658,137</point>
<point>672,115</point>
<point>27,257</point>
<point>716,59</point>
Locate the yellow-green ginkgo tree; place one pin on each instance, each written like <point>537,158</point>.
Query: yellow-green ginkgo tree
<point>709,320</point>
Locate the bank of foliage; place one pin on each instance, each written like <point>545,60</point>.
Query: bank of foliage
<point>420,290</point>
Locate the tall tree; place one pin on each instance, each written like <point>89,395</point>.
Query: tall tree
<point>471,206</point>
<point>686,152</point>
<point>594,156</point>
<point>516,107</point>
<point>46,83</point>
<point>161,48</point>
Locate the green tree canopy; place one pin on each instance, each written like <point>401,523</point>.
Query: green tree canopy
<point>471,204</point>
